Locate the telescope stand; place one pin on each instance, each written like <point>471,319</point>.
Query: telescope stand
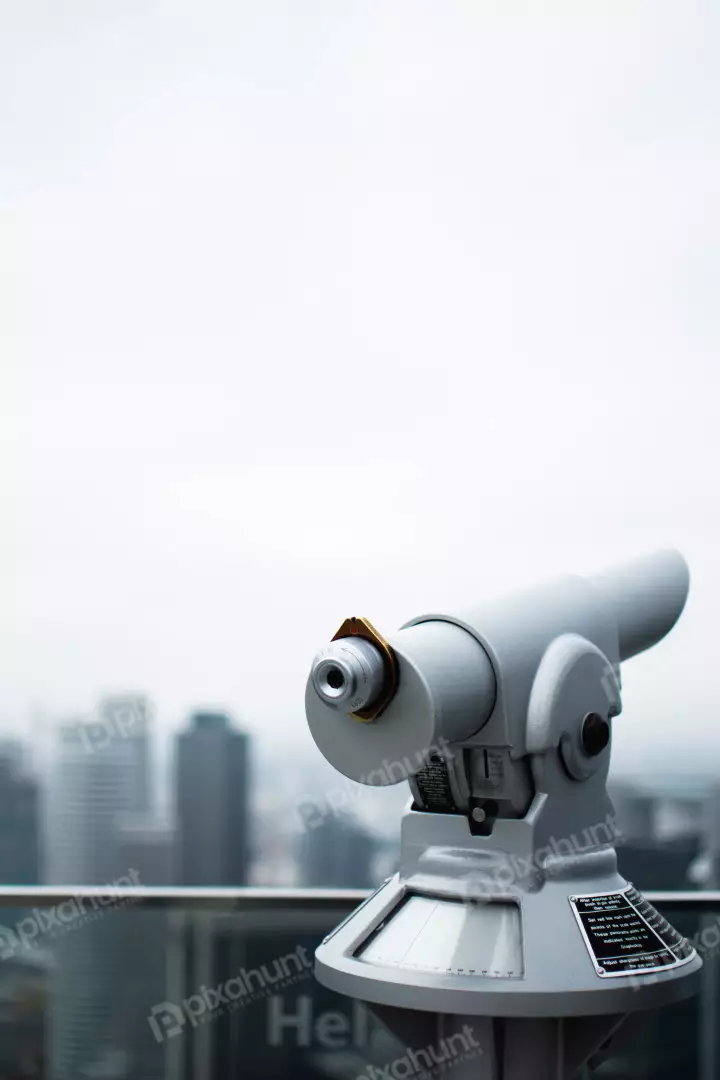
<point>487,1048</point>
<point>507,932</point>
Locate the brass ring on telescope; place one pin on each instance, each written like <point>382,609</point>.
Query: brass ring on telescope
<point>358,627</point>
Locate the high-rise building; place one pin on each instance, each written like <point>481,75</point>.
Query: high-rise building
<point>212,799</point>
<point>23,971</point>
<point>148,845</point>
<point>337,854</point>
<point>128,718</point>
<point>98,778</point>
<point>19,819</point>
<point>91,784</point>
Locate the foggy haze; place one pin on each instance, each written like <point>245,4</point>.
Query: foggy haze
<point>319,310</point>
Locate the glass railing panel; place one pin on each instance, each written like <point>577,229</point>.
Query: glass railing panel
<point>185,988</point>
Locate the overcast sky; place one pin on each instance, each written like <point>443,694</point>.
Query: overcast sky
<point>311,308</point>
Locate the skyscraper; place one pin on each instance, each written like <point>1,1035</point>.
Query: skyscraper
<point>128,718</point>
<point>19,820</point>
<point>22,971</point>
<point>98,779</point>
<point>92,783</point>
<point>148,845</point>
<point>338,854</point>
<point>212,778</point>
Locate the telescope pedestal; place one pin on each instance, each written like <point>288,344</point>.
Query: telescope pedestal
<point>487,1048</point>
<point>529,983</point>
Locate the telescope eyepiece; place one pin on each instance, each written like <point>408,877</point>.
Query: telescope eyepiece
<point>335,678</point>
<point>349,674</point>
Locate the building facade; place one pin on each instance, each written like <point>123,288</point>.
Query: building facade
<point>212,777</point>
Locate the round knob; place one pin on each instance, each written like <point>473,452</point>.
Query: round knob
<point>595,734</point>
<point>349,674</point>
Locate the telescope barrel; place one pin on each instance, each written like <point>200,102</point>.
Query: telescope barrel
<point>451,671</point>
<point>646,597</point>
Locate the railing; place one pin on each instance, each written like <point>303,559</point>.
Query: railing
<point>181,896</point>
<point>174,895</point>
<point>138,983</point>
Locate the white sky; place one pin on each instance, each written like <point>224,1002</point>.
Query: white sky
<point>312,308</point>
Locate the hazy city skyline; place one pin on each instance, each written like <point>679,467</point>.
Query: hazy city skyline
<point>320,312</point>
<point>311,310</point>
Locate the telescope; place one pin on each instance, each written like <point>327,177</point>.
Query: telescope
<point>507,916</point>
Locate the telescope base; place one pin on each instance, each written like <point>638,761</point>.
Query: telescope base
<point>487,1048</point>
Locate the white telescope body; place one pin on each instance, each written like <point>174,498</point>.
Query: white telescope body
<point>500,718</point>
<point>448,685</point>
<point>646,597</point>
